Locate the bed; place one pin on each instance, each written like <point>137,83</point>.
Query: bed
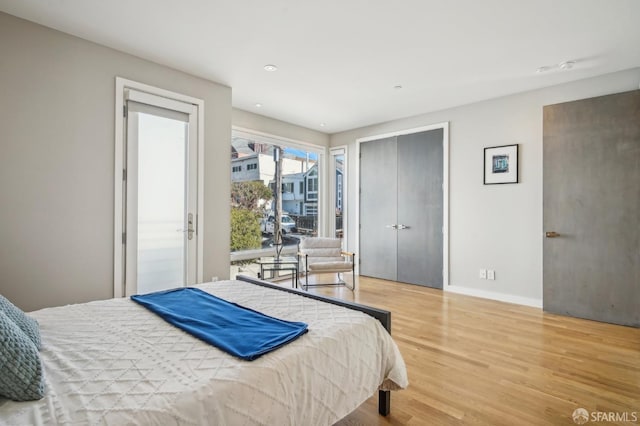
<point>114,362</point>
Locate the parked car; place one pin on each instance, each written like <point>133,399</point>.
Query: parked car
<point>288,225</point>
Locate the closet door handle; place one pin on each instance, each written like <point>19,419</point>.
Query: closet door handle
<point>392,226</point>
<point>403,227</point>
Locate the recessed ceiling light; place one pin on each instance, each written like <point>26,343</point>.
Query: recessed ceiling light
<point>323,124</point>
<point>258,105</point>
<point>270,67</point>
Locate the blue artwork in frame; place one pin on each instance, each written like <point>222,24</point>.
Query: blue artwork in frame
<point>501,164</point>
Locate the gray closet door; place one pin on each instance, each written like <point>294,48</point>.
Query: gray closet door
<point>378,192</point>
<point>420,208</point>
<point>401,208</point>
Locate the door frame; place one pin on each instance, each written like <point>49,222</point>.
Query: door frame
<point>445,188</point>
<point>334,151</point>
<point>119,182</point>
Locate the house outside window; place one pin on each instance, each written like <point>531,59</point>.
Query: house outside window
<point>246,167</point>
<point>253,165</point>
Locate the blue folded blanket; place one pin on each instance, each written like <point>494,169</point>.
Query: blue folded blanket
<point>232,328</point>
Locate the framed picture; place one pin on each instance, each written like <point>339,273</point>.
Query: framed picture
<point>501,164</point>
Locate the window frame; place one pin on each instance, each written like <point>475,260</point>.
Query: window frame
<point>339,189</point>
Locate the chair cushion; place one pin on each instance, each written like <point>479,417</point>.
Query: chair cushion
<point>335,265</point>
<point>321,249</point>
<point>28,325</point>
<point>322,252</point>
<point>320,242</point>
<point>21,377</point>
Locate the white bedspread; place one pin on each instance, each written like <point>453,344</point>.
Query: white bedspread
<point>113,362</point>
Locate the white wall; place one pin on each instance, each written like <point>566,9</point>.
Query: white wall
<point>56,169</point>
<point>245,120</point>
<point>494,226</point>
<point>57,97</point>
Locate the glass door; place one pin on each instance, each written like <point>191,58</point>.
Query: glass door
<point>161,193</point>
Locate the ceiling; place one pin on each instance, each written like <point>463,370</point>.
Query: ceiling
<point>339,61</point>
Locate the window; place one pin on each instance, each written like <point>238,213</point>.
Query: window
<point>254,197</point>
<point>236,169</point>
<point>337,187</point>
<point>312,184</point>
<point>287,187</point>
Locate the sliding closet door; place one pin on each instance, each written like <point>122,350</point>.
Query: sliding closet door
<point>420,208</point>
<point>378,195</point>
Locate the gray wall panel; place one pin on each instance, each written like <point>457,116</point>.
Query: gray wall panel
<point>592,199</point>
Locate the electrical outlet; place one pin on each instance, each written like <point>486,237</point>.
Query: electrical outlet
<point>491,274</point>
<point>213,279</point>
<point>483,274</point>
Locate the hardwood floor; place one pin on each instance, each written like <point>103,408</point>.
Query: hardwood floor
<point>482,362</point>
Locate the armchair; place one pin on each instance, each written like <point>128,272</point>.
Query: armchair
<point>325,255</point>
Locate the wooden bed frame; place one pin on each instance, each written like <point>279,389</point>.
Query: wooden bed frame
<point>384,397</point>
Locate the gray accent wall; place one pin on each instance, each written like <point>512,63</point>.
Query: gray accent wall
<point>495,227</point>
<point>592,200</point>
<point>57,97</point>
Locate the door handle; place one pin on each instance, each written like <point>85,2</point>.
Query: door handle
<point>403,227</point>
<point>190,229</point>
<point>391,226</point>
<point>551,234</point>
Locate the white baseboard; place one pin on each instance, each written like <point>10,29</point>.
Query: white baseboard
<point>509,298</point>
